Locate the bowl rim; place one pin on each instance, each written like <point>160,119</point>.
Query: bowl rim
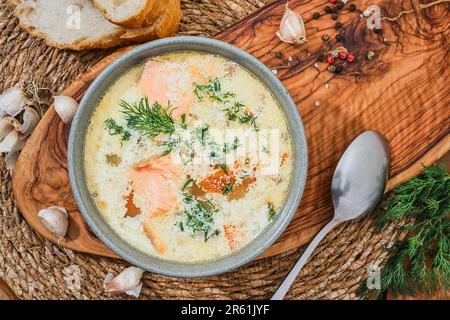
<point>94,218</point>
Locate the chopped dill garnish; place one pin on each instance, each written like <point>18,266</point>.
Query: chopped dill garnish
<point>420,260</point>
<point>187,184</point>
<point>249,118</point>
<point>235,143</point>
<point>272,213</point>
<point>183,121</point>
<point>147,119</point>
<point>223,166</point>
<point>202,134</point>
<point>228,188</point>
<point>115,129</point>
<point>199,216</point>
<point>232,112</point>
<point>213,90</point>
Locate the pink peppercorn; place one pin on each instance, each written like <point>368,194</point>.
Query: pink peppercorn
<point>330,60</point>
<point>351,58</point>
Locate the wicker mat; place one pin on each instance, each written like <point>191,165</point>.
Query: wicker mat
<point>35,268</point>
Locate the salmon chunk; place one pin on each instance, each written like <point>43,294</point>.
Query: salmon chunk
<point>168,82</point>
<point>152,182</point>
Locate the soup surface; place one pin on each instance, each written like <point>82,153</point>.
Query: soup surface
<point>188,157</point>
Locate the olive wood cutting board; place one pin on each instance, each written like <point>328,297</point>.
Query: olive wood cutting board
<point>403,93</point>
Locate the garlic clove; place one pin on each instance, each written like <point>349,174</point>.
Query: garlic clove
<point>13,142</point>
<point>5,127</point>
<point>292,28</point>
<point>56,220</point>
<point>65,107</point>
<point>128,281</point>
<point>30,121</point>
<point>10,160</point>
<point>12,102</point>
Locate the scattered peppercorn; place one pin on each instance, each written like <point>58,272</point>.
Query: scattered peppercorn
<point>334,16</point>
<point>328,9</point>
<point>335,54</point>
<point>342,55</point>
<point>377,30</point>
<point>338,69</point>
<point>316,15</point>
<point>338,25</point>
<point>352,8</point>
<point>332,68</point>
<point>325,37</point>
<point>351,58</point>
<point>334,9</point>
<point>339,37</point>
<point>370,55</point>
<point>278,55</point>
<point>340,5</point>
<point>321,57</point>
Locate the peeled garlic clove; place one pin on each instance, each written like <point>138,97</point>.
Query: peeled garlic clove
<point>30,121</point>
<point>56,220</point>
<point>128,281</point>
<point>12,142</point>
<point>65,107</point>
<point>10,160</point>
<point>12,102</point>
<point>292,29</point>
<point>5,127</point>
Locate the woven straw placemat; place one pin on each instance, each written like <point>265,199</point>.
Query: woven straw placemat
<point>35,268</point>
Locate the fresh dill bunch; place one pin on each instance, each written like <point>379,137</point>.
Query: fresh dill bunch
<point>213,90</point>
<point>421,260</point>
<point>147,119</point>
<point>115,129</point>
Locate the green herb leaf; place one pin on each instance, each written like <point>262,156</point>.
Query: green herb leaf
<point>272,213</point>
<point>212,90</point>
<point>223,166</point>
<point>115,129</point>
<point>199,216</point>
<point>424,200</point>
<point>147,119</point>
<point>183,121</point>
<point>228,188</point>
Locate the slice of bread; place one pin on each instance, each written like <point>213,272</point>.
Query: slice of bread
<point>131,13</point>
<point>72,24</point>
<point>78,24</point>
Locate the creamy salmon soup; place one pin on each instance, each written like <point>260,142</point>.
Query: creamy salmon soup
<point>188,157</point>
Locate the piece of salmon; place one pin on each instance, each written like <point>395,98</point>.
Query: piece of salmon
<point>152,182</point>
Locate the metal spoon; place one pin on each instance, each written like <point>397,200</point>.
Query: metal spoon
<point>357,187</point>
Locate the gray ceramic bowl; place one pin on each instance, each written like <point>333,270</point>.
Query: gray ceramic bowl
<point>77,171</point>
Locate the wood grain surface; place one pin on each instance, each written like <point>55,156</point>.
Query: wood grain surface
<point>403,93</point>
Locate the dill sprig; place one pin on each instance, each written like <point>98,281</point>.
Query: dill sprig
<point>147,119</point>
<point>212,90</point>
<point>421,260</point>
<point>115,129</point>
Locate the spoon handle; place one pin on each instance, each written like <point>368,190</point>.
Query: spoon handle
<point>287,282</point>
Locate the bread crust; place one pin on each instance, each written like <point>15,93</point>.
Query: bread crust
<point>148,15</point>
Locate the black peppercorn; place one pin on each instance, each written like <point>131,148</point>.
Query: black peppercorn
<point>321,57</point>
<point>338,69</point>
<point>352,8</point>
<point>340,5</point>
<point>328,9</point>
<point>316,15</point>
<point>325,37</point>
<point>278,55</point>
<point>377,30</point>
<point>338,25</point>
<point>339,37</point>
<point>334,16</point>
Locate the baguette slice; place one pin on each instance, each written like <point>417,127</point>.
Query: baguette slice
<point>71,24</point>
<point>131,14</point>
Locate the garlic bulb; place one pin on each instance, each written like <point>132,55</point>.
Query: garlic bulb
<point>13,142</point>
<point>292,29</point>
<point>56,220</point>
<point>10,160</point>
<point>12,102</point>
<point>30,121</point>
<point>65,107</point>
<point>128,281</point>
<point>5,127</point>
